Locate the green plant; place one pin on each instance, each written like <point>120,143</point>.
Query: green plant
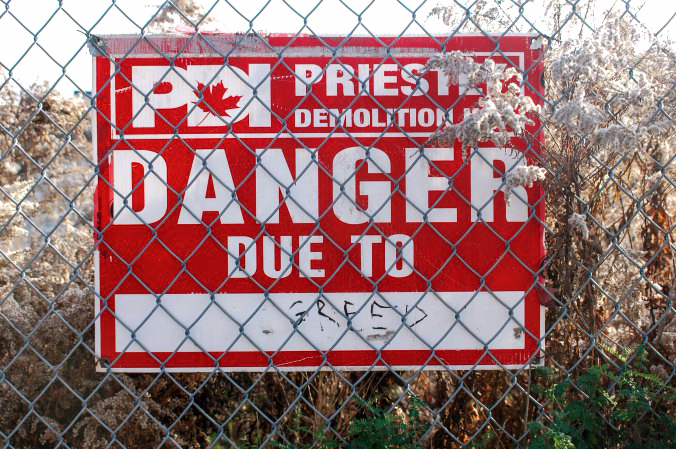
<point>381,430</point>
<point>602,408</point>
<point>384,430</point>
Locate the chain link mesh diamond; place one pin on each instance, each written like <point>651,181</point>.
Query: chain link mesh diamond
<point>601,147</point>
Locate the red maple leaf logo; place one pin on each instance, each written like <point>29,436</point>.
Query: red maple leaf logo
<point>214,101</point>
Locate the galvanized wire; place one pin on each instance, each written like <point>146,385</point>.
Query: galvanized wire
<point>48,287</point>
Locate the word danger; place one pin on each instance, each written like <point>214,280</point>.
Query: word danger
<point>210,187</point>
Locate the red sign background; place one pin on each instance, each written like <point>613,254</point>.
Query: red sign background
<point>168,258</point>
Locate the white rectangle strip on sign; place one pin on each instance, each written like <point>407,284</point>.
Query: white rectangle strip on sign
<point>377,321</point>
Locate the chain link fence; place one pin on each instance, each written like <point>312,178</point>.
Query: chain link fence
<point>592,151</point>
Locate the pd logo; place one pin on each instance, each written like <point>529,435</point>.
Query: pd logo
<point>226,94</point>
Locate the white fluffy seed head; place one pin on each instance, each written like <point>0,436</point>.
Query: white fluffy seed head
<point>579,222</point>
<point>522,176</point>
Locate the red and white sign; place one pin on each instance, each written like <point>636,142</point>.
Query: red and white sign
<point>290,215</point>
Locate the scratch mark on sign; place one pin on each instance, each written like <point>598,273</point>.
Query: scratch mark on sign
<point>380,337</point>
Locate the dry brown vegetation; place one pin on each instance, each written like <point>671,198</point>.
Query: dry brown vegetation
<point>608,291</point>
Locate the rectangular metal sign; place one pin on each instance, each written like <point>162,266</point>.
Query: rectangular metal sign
<point>272,202</point>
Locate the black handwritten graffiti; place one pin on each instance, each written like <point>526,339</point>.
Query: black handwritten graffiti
<point>375,304</point>
<point>320,309</point>
<point>377,311</point>
<point>418,308</point>
<point>373,314</point>
<point>348,315</point>
<point>302,314</point>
